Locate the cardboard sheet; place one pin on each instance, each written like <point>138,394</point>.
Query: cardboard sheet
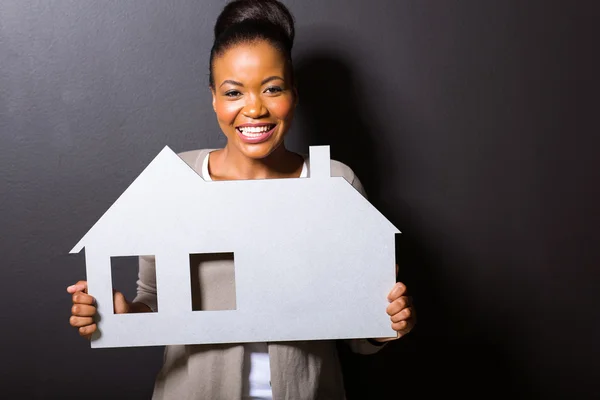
<point>313,258</point>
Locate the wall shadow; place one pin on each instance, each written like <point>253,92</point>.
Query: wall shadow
<point>452,348</point>
<point>329,114</point>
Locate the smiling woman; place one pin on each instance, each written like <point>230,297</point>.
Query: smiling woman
<point>252,83</point>
<point>254,98</point>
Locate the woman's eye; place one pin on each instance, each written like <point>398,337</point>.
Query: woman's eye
<point>273,89</point>
<point>232,93</point>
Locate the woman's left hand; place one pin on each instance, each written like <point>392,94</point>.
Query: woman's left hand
<point>401,312</point>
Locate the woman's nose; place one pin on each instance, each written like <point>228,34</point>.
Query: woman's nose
<point>254,108</point>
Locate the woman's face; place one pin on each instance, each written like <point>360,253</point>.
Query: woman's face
<point>253,97</point>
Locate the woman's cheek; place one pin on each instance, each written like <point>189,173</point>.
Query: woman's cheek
<point>282,109</point>
<point>227,111</point>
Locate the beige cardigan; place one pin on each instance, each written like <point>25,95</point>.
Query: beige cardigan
<point>304,370</point>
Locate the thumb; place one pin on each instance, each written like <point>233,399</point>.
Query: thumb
<point>120,303</point>
<point>80,286</point>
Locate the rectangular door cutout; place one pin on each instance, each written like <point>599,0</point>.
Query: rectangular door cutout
<point>219,270</point>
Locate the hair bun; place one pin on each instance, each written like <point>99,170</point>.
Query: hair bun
<point>255,12</point>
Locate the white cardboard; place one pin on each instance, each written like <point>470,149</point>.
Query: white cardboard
<point>313,258</point>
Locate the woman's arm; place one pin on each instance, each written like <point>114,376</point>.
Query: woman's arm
<point>146,299</point>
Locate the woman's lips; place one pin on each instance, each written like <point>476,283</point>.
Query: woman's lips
<point>255,137</point>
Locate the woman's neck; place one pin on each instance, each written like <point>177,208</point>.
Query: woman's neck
<point>230,164</point>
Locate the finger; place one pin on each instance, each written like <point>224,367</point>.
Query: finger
<point>403,327</point>
<point>83,310</point>
<point>400,326</point>
<point>86,331</point>
<point>80,286</point>
<point>398,290</point>
<point>402,315</point>
<point>83,298</point>
<point>120,304</point>
<point>397,305</point>
<point>80,321</point>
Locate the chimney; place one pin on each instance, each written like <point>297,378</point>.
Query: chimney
<point>319,158</point>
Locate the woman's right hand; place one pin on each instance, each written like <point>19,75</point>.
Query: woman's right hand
<point>84,308</point>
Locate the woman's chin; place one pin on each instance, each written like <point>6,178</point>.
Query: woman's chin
<point>259,150</point>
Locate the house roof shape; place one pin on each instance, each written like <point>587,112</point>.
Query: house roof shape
<point>168,189</point>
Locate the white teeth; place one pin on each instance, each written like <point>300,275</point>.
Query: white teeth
<point>254,131</point>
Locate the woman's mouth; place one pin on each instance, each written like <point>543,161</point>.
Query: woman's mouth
<point>255,133</point>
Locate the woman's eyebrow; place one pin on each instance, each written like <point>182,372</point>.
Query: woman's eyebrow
<point>236,83</point>
<point>266,80</point>
<point>271,78</point>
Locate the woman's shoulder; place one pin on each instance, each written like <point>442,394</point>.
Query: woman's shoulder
<point>194,158</point>
<point>339,169</point>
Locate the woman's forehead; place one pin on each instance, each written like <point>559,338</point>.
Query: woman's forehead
<point>249,61</point>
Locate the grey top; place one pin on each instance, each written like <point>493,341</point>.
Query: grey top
<point>299,370</point>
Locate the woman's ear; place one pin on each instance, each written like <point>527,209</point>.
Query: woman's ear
<point>214,99</point>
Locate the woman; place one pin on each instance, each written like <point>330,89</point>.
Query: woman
<point>254,97</point>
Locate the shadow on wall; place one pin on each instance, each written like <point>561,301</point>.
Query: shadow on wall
<point>456,347</point>
<point>330,114</point>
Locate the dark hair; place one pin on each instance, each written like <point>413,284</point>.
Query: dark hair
<point>245,21</point>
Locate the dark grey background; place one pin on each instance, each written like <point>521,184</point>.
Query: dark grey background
<point>472,124</point>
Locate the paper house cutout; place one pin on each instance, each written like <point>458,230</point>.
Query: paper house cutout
<point>313,258</point>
